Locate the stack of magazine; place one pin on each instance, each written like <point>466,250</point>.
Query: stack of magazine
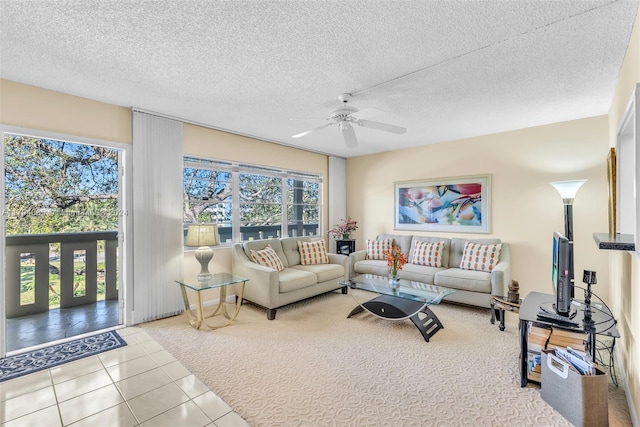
<point>546,338</point>
<point>580,360</point>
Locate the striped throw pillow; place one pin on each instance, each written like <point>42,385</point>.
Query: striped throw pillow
<point>376,248</point>
<point>313,252</point>
<point>428,253</point>
<point>268,258</point>
<point>480,257</point>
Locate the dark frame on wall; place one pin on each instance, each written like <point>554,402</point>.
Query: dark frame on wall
<point>459,204</point>
<point>611,179</point>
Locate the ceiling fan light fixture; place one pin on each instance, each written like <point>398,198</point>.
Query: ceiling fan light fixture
<point>344,125</point>
<point>347,116</point>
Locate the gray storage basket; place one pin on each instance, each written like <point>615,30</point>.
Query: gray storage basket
<point>581,399</point>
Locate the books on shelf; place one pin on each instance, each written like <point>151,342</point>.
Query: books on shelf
<point>541,338</point>
<point>534,366</point>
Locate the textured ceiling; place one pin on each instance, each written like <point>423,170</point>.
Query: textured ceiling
<point>442,69</point>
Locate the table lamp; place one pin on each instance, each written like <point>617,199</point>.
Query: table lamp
<point>202,236</point>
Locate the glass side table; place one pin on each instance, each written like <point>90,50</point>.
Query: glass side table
<point>218,281</point>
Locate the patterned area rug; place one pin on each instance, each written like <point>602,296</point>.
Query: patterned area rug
<point>48,357</point>
<point>312,366</point>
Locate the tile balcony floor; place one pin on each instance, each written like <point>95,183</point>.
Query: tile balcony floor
<point>60,323</point>
<point>140,384</point>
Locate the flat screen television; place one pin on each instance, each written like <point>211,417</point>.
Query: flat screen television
<point>562,273</point>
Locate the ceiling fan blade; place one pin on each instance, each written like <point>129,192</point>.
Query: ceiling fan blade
<point>382,126</point>
<point>312,130</point>
<point>367,113</point>
<point>349,135</point>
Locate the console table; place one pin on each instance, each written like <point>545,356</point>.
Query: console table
<point>604,324</point>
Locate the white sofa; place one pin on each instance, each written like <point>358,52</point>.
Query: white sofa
<point>472,287</point>
<point>272,289</point>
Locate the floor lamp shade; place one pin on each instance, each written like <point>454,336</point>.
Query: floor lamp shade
<point>202,236</point>
<point>568,190</point>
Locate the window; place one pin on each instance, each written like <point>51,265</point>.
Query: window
<point>251,202</point>
<point>303,207</point>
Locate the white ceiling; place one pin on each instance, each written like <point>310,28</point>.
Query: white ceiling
<point>442,69</point>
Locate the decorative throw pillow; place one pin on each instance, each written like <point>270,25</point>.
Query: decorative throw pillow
<point>313,252</point>
<point>376,248</point>
<point>268,258</point>
<point>428,253</point>
<point>480,257</point>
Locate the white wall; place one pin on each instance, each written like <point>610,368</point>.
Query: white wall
<point>525,208</point>
<point>625,267</point>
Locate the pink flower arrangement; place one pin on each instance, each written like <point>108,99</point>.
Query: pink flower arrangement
<point>344,228</point>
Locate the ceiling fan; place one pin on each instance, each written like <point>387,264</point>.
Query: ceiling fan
<point>347,116</point>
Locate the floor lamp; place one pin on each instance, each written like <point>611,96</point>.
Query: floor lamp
<point>568,190</point>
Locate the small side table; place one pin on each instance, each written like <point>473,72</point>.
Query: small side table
<point>345,246</point>
<point>221,281</point>
<point>501,303</point>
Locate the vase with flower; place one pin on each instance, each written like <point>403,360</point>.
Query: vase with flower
<point>396,259</point>
<point>343,229</point>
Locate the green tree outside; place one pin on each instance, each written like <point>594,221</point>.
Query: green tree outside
<point>54,187</point>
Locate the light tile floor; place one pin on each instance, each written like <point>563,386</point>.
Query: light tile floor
<point>140,384</point>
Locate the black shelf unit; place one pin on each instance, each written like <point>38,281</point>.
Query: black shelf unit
<point>345,246</point>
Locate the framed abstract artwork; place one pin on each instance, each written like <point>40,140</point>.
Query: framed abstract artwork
<point>460,204</point>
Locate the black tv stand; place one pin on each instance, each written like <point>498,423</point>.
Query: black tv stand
<point>604,324</point>
<point>551,308</point>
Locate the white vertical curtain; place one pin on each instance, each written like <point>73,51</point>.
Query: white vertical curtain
<point>157,217</point>
<point>337,193</point>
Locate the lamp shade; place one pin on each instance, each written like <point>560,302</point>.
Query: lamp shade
<point>201,235</point>
<point>568,189</point>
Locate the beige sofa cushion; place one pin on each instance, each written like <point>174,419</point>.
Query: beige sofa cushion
<point>323,272</point>
<point>468,280</point>
<point>292,279</point>
<point>402,240</point>
<point>420,273</point>
<point>372,266</point>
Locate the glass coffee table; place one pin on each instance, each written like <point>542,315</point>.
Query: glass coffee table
<point>406,300</point>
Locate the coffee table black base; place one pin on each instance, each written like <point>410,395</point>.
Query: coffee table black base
<point>393,308</point>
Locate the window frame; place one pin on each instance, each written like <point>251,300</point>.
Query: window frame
<point>238,168</point>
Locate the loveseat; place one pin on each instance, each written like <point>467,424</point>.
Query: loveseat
<point>440,264</point>
<point>291,276</point>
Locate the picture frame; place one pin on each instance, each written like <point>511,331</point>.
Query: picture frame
<point>457,204</point>
<point>611,179</point>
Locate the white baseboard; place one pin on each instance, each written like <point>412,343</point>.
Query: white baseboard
<point>623,374</point>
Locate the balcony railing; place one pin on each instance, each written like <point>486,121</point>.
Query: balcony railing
<point>261,232</point>
<point>35,249</point>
